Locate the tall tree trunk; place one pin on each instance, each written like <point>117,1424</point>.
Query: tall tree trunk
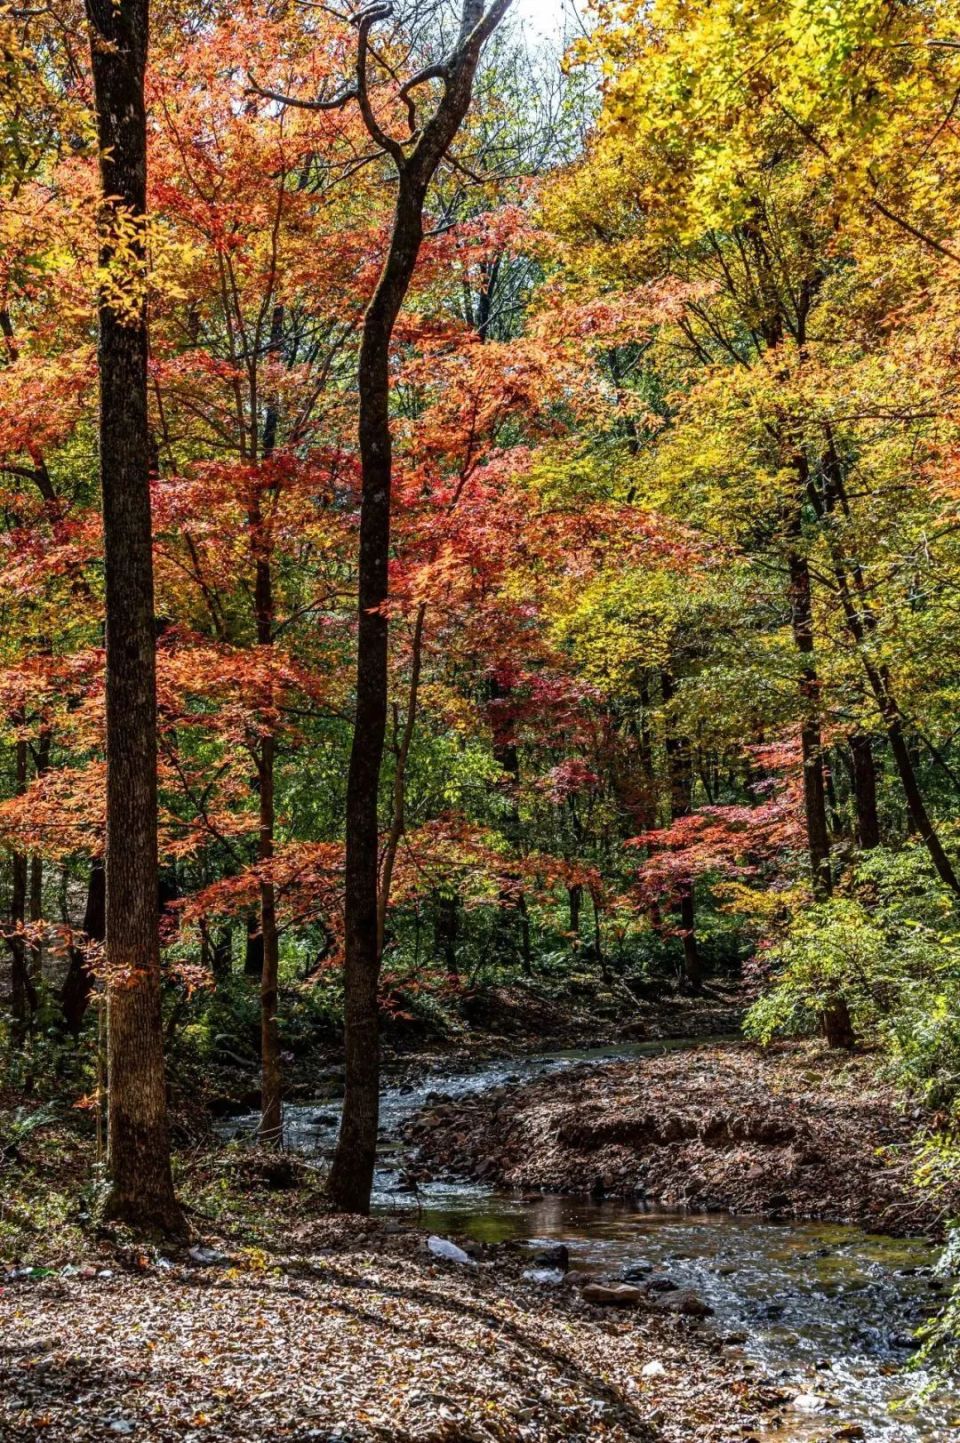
<point>141,1186</point>
<point>575,900</point>
<point>864,772</point>
<point>78,983</point>
<point>403,738</point>
<point>253,947</point>
<point>811,740</point>
<point>271,1109</point>
<point>446,927</point>
<point>23,994</point>
<point>351,1175</point>
<point>271,1104</point>
<point>680,768</point>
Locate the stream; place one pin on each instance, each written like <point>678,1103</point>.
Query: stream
<point>827,1311</point>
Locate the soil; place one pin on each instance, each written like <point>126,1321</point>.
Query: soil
<point>793,1132</point>
<point>354,1331</point>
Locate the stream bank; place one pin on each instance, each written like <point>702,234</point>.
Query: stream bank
<point>794,1132</point>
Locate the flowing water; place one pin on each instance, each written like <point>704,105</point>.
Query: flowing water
<point>828,1310</point>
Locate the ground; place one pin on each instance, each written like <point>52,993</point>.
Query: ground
<point>354,1332</point>
<point>795,1131</point>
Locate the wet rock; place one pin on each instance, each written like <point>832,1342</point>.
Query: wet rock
<point>546,1277</point>
<point>635,1272</point>
<point>619,1295</point>
<point>849,1431</point>
<point>690,1305</point>
<point>662,1285</point>
<point>811,1403</point>
<point>735,1339</point>
<point>558,1257</point>
<point>324,1119</point>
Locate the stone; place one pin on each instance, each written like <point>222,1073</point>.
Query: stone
<point>634,1272</point>
<point>662,1285</point>
<point>619,1295</point>
<point>558,1257</point>
<point>849,1431</point>
<point>691,1306</point>
<point>653,1370</point>
<point>811,1403</point>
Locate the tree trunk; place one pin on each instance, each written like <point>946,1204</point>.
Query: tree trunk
<point>141,1186</point>
<point>253,947</point>
<point>575,899</point>
<point>23,994</point>
<point>271,1109</point>
<point>864,774</point>
<point>838,1025</point>
<point>446,928</point>
<point>811,742</point>
<point>351,1176</point>
<point>680,771</point>
<point>78,983</point>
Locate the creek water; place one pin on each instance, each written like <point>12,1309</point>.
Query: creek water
<point>827,1311</point>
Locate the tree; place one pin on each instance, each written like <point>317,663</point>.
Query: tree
<point>141,1184</point>
<point>351,1176</point>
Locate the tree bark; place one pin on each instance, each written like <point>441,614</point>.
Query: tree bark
<point>141,1187</point>
<point>811,741</point>
<point>838,1024</point>
<point>680,771</point>
<point>351,1175</point>
<point>23,994</point>
<point>864,772</point>
<point>78,983</point>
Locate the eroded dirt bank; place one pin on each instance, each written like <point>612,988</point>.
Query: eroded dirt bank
<point>793,1132</point>
<point>353,1332</point>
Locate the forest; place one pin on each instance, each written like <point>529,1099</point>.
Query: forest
<point>479,732</point>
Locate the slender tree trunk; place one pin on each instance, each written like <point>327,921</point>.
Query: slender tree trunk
<point>23,995</point>
<point>253,947</point>
<point>811,741</point>
<point>575,900</point>
<point>271,1101</point>
<point>78,983</point>
<point>35,962</point>
<point>680,770</point>
<point>401,750</point>
<point>446,929</point>
<point>351,1175</point>
<point>271,1108</point>
<point>141,1186</point>
<point>864,772</point>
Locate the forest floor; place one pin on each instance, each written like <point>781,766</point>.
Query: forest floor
<point>352,1330</point>
<point>791,1132</point>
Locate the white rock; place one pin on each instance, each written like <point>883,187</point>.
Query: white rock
<point>444,1248</point>
<point>653,1370</point>
<point>549,1277</point>
<point>811,1403</point>
<point>206,1257</point>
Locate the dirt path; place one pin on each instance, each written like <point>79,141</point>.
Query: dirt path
<point>794,1132</point>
